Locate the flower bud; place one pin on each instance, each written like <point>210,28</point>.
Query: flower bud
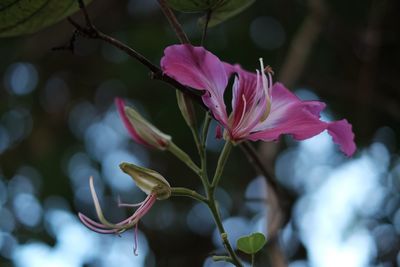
<point>187,109</point>
<point>142,131</point>
<point>149,181</point>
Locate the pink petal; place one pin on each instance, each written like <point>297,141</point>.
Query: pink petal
<point>315,107</point>
<point>119,102</point>
<point>342,134</point>
<point>290,115</point>
<point>199,69</point>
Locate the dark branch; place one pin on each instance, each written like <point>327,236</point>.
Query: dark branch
<point>285,197</point>
<point>70,46</point>
<point>91,32</point>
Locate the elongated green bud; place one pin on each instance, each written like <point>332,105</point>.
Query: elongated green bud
<point>187,109</point>
<point>149,181</point>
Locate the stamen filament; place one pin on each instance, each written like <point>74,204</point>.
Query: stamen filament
<point>135,236</point>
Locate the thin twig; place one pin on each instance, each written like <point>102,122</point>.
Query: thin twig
<point>70,46</point>
<point>302,42</point>
<point>204,35</point>
<point>169,14</point>
<point>285,197</point>
<point>254,159</point>
<point>85,14</point>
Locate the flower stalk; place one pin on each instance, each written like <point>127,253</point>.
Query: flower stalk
<point>185,192</point>
<point>185,158</point>
<point>221,164</point>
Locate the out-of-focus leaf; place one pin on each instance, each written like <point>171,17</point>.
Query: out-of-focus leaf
<point>221,10</point>
<point>226,9</point>
<point>18,17</point>
<point>251,244</point>
<point>188,5</point>
<point>192,5</point>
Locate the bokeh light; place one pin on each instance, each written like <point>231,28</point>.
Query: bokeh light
<point>21,78</point>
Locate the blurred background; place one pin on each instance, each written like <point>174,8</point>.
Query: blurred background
<point>58,126</point>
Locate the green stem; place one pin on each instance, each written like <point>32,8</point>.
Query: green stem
<point>223,157</point>
<point>222,258</point>
<point>185,192</point>
<point>234,259</point>
<point>202,148</point>
<point>180,154</point>
<point>202,156</point>
<point>206,126</point>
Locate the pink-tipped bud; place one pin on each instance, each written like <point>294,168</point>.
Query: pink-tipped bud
<point>142,131</point>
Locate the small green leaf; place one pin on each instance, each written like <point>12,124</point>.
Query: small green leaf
<point>251,244</point>
<point>192,5</point>
<point>19,17</point>
<point>226,9</point>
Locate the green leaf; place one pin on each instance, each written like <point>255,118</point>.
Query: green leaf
<point>18,17</point>
<point>226,9</point>
<point>192,5</point>
<point>221,10</point>
<point>251,244</point>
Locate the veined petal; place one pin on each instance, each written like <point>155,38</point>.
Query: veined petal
<point>290,115</point>
<point>200,69</point>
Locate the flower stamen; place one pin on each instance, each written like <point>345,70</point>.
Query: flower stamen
<point>266,79</point>
<point>105,227</point>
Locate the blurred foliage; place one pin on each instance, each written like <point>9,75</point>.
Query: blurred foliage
<point>23,17</point>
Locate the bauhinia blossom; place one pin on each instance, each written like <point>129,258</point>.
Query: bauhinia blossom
<point>261,110</point>
<point>141,131</point>
<point>150,182</point>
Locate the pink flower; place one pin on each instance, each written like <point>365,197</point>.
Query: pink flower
<point>260,110</point>
<point>150,182</point>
